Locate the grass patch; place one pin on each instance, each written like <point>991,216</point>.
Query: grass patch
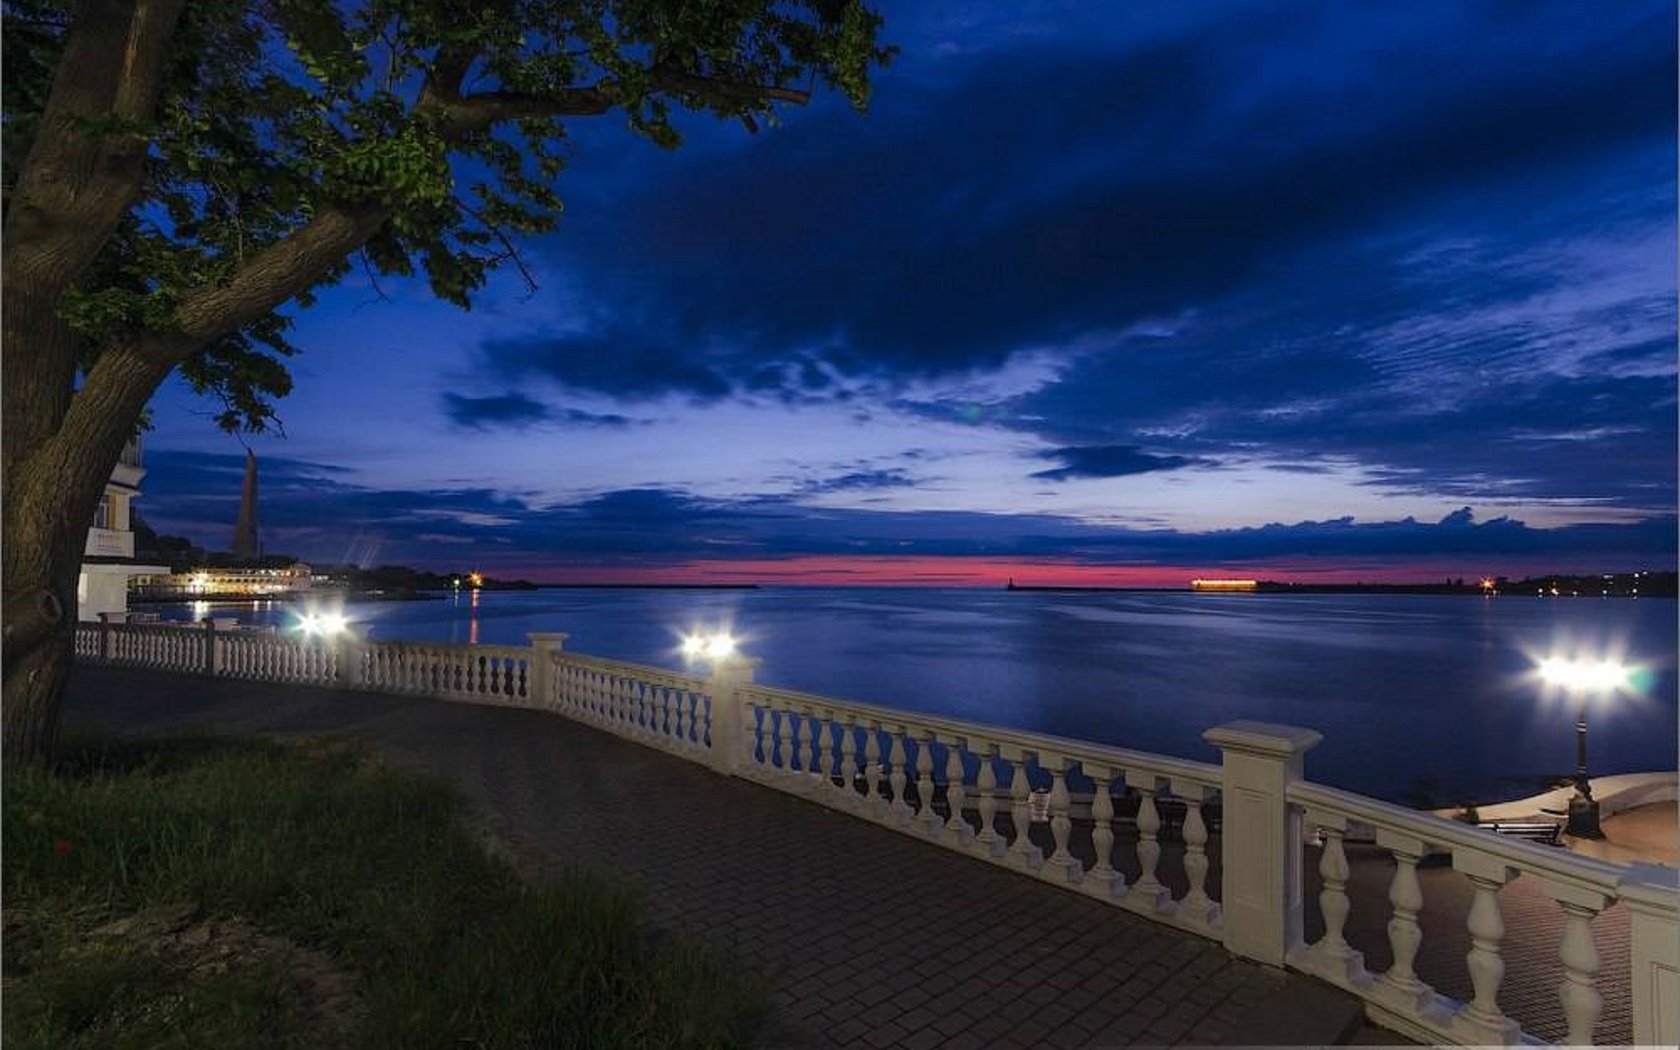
<point>233,893</point>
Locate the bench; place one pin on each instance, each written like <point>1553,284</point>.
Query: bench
<point>1546,831</point>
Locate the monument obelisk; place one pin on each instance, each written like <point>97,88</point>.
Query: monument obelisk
<point>245,545</point>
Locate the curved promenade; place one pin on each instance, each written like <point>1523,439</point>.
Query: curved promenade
<point>869,938</point>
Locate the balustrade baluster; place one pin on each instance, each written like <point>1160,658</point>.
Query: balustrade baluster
<point>806,751</point>
<point>1480,1019</point>
<point>1332,957</point>
<point>957,830</point>
<point>830,757</point>
<point>1065,867</point>
<point>898,776</point>
<point>1400,988</point>
<point>1102,879</point>
<point>1022,852</point>
<point>926,817</point>
<point>848,762</point>
<point>676,719</point>
<point>1578,995</point>
<point>1147,892</point>
<point>987,837</point>
<point>874,775</point>
<point>1197,907</point>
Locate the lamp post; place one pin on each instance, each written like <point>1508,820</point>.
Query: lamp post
<point>1580,679</point>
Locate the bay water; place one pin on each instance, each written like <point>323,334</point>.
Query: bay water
<point>1428,700</point>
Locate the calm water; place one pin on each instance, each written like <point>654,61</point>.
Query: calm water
<point>1411,692</point>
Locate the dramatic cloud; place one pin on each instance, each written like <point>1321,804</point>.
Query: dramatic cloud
<point>515,411</point>
<point>622,364</point>
<point>1108,286</point>
<point>508,410</point>
<point>1109,461</point>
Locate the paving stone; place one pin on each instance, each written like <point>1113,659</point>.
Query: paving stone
<point>951,1024</point>
<point>926,1039</point>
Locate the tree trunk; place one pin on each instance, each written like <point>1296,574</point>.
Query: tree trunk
<point>51,490</point>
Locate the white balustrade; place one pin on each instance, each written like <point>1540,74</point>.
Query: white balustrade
<point>809,744</point>
<point>1582,887</point>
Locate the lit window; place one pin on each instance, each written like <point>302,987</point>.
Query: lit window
<point>102,513</point>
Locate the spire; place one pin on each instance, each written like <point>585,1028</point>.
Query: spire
<point>245,545</point>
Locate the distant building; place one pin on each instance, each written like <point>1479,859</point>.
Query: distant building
<point>108,555</point>
<point>231,584</point>
<point>1224,585</point>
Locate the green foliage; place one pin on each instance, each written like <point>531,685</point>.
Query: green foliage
<point>274,112</point>
<point>440,943</point>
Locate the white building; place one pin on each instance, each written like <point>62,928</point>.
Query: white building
<point>108,557</point>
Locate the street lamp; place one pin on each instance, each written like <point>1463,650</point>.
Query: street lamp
<point>1582,679</point>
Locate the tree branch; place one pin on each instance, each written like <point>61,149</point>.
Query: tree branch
<point>668,78</point>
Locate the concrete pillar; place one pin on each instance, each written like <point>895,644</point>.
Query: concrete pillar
<point>539,687</point>
<point>1651,895</point>
<point>1261,840</point>
<point>731,732</point>
<point>351,645</point>
<point>210,663</point>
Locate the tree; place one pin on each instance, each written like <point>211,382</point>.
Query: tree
<point>174,172</point>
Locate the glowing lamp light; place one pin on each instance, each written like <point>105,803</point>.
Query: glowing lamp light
<point>324,625</point>
<point>720,646</point>
<point>1584,676</point>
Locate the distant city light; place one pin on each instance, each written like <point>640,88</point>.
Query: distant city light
<point>476,579</point>
<point>1224,585</point>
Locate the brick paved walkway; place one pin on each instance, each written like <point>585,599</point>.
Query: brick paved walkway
<point>869,938</point>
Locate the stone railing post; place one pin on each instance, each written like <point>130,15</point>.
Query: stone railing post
<point>351,647</point>
<point>210,668</point>
<point>1261,840</point>
<point>1651,895</point>
<point>730,733</point>
<point>539,685</point>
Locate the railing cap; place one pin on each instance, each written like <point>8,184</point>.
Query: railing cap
<point>738,663</point>
<point>1263,738</point>
<point>1654,885</point>
<point>540,637</point>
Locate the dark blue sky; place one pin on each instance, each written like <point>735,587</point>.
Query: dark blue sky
<point>1137,290</point>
